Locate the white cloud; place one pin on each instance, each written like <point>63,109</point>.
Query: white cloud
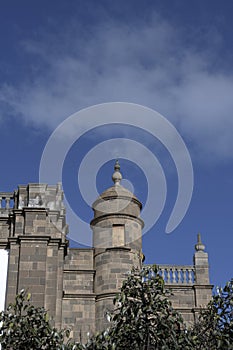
<point>149,63</point>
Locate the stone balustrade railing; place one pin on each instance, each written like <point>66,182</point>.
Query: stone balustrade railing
<point>184,274</point>
<point>6,200</point>
<point>179,275</point>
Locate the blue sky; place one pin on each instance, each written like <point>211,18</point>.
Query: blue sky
<point>175,57</point>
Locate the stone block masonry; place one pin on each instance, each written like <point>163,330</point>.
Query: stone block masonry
<point>77,286</point>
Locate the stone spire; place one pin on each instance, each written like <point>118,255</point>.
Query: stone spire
<point>116,176</point>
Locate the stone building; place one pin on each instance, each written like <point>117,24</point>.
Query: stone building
<point>77,285</point>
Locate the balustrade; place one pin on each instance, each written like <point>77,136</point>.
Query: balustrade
<point>183,274</point>
<point>177,274</point>
<point>6,200</point>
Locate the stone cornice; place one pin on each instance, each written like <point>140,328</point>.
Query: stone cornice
<point>79,272</point>
<point>117,216</point>
<point>78,296</point>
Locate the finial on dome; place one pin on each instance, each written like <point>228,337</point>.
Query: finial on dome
<point>116,176</point>
<point>199,246</point>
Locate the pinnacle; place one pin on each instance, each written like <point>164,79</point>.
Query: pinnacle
<point>116,176</point>
<point>199,246</point>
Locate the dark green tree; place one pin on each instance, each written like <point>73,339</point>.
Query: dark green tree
<point>214,328</point>
<point>143,317</point>
<point>25,327</point>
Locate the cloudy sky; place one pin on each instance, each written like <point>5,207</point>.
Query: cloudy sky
<point>175,57</point>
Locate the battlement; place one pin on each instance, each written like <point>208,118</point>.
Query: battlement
<point>33,195</point>
<point>32,210</point>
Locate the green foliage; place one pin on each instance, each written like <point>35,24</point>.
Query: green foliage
<point>214,329</point>
<point>143,317</point>
<point>24,327</point>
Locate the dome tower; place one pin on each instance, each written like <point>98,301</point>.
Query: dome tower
<point>117,240</point>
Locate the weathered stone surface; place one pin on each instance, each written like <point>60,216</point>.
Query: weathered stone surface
<point>77,286</point>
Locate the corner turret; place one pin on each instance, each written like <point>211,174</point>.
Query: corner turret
<point>117,240</point>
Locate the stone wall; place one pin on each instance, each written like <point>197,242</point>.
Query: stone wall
<point>33,229</point>
<point>77,286</point>
<point>78,304</point>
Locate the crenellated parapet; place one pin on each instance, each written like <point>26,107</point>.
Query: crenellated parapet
<point>35,209</point>
<point>33,195</point>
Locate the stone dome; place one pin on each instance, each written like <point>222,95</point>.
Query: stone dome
<point>117,192</point>
<point>117,200</point>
